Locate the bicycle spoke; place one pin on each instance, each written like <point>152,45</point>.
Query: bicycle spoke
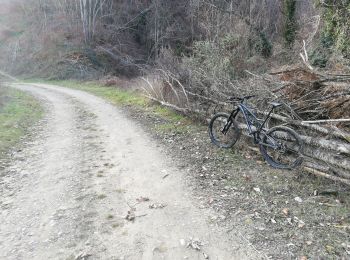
<point>223,133</point>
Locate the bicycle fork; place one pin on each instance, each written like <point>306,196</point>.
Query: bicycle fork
<point>229,121</point>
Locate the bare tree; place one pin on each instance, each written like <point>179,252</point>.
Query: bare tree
<point>90,11</point>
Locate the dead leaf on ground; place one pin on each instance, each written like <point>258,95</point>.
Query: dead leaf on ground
<point>157,206</point>
<point>285,211</point>
<point>142,199</point>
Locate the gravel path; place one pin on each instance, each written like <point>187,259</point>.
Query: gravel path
<point>67,193</point>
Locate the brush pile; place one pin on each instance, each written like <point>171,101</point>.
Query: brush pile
<point>315,96</point>
<point>319,109</point>
<point>316,105</point>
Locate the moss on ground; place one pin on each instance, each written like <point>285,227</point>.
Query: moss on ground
<point>18,111</point>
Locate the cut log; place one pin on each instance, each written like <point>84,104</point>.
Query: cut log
<point>327,157</point>
<point>340,120</point>
<point>320,166</point>
<point>325,175</point>
<point>341,148</point>
<point>337,160</point>
<point>336,146</point>
<point>331,132</point>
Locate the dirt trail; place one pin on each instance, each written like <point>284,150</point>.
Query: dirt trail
<point>66,194</point>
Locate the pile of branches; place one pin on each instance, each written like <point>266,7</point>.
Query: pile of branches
<point>315,96</point>
<point>316,104</point>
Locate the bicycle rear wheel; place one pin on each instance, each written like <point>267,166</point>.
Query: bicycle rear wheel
<point>282,148</point>
<point>223,131</point>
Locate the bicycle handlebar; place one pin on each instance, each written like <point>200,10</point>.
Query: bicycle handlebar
<point>241,98</point>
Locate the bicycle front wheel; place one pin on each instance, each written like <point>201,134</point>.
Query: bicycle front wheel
<point>223,131</point>
<point>282,148</point>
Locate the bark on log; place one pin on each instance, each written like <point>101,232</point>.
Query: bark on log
<point>320,166</point>
<point>325,175</point>
<point>342,148</point>
<point>327,157</point>
<point>331,145</point>
<point>340,120</point>
<point>331,132</point>
<point>319,154</point>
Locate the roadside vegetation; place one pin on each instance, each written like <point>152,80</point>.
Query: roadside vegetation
<point>18,111</point>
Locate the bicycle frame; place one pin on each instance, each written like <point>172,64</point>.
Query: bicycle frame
<point>248,113</point>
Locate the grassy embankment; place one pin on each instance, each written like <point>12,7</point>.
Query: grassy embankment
<point>18,111</point>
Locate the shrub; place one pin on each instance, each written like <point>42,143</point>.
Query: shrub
<point>263,46</point>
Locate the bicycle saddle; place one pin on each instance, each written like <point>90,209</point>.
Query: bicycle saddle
<point>275,104</point>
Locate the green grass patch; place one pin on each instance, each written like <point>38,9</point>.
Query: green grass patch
<point>114,95</point>
<point>167,113</point>
<point>18,111</point>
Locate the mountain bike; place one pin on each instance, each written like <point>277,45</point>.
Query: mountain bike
<point>280,146</point>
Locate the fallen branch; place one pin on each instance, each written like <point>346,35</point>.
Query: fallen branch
<point>340,120</point>
<point>176,108</point>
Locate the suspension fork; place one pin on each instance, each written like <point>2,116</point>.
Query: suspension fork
<point>232,117</point>
<point>234,113</point>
